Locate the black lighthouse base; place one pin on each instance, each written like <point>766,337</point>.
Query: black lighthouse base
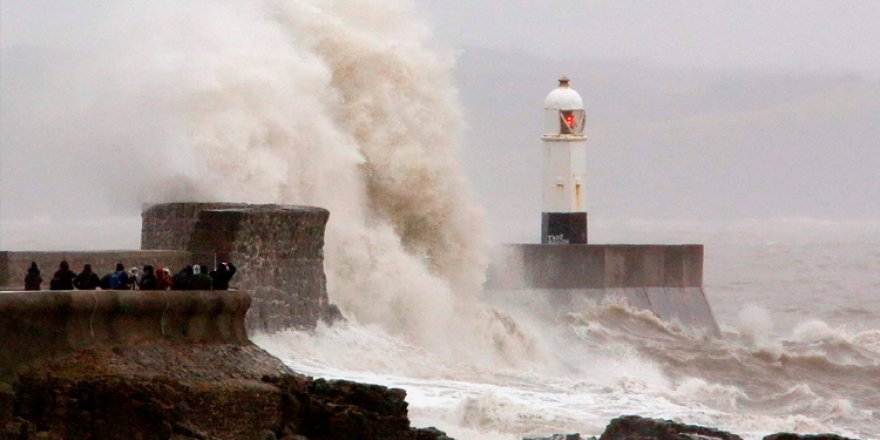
<point>564,228</point>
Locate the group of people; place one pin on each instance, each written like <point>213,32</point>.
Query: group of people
<point>191,277</point>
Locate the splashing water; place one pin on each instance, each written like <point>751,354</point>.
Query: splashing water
<point>340,104</point>
<point>345,104</point>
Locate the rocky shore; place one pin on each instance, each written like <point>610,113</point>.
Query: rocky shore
<point>632,427</point>
<point>146,365</point>
<point>194,391</point>
<point>152,365</point>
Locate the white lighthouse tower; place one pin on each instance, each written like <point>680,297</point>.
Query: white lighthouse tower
<point>563,196</point>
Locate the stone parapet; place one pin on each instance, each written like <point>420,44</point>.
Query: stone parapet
<point>168,365</point>
<point>278,250</point>
<point>170,226</point>
<point>37,325</point>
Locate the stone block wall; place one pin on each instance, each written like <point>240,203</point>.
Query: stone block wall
<point>170,226</point>
<point>278,250</point>
<point>35,325</point>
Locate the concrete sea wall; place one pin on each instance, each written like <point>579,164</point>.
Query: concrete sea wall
<point>39,325</point>
<point>665,279</point>
<point>596,266</point>
<point>163,365</point>
<point>278,250</point>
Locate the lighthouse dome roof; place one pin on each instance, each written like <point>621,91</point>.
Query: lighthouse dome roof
<point>563,98</point>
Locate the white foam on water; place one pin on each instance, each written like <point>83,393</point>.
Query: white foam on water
<point>348,105</point>
<point>633,365</point>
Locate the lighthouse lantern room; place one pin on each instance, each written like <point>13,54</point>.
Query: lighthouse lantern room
<point>563,198</point>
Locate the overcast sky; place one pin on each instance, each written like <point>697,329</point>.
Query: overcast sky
<point>696,109</point>
<point>806,34</point>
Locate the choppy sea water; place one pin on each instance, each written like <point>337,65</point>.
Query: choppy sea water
<point>798,302</point>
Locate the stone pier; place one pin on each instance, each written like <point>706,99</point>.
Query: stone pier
<point>157,365</point>
<point>278,250</point>
<point>665,279</point>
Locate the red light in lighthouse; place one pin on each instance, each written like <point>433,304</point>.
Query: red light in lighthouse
<point>569,120</point>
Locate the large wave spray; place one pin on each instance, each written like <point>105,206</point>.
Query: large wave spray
<point>341,104</point>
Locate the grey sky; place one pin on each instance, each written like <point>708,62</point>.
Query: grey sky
<point>696,109</point>
<point>805,34</point>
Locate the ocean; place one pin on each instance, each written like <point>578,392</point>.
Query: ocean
<point>798,302</point>
<point>351,106</point>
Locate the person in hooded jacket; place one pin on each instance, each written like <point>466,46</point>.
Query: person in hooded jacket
<point>181,279</point>
<point>63,278</point>
<point>199,280</point>
<point>222,275</point>
<point>148,279</point>
<point>33,280</point>
<point>133,278</point>
<point>120,279</point>
<point>87,280</point>
<point>163,279</point>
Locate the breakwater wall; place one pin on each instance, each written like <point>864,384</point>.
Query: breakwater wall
<point>41,325</point>
<point>160,365</point>
<point>665,279</point>
<point>278,250</point>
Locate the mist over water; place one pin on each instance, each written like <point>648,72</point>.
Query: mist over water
<point>346,105</point>
<point>803,358</point>
<point>336,104</point>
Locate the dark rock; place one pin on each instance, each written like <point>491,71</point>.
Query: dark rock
<point>120,365</point>
<point>431,433</point>
<point>7,403</point>
<point>790,436</point>
<point>287,406</point>
<point>321,409</point>
<point>640,428</point>
<point>556,437</point>
<point>330,313</point>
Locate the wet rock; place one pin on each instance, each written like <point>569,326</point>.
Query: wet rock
<point>149,382</point>
<point>640,428</point>
<point>790,436</point>
<point>557,437</point>
<point>323,410</point>
<point>287,407</point>
<point>431,433</point>
<point>7,402</point>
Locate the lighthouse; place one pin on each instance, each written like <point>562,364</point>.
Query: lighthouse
<point>563,196</point>
<point>666,280</point>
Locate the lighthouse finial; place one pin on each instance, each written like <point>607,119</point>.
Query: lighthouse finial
<point>563,81</point>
